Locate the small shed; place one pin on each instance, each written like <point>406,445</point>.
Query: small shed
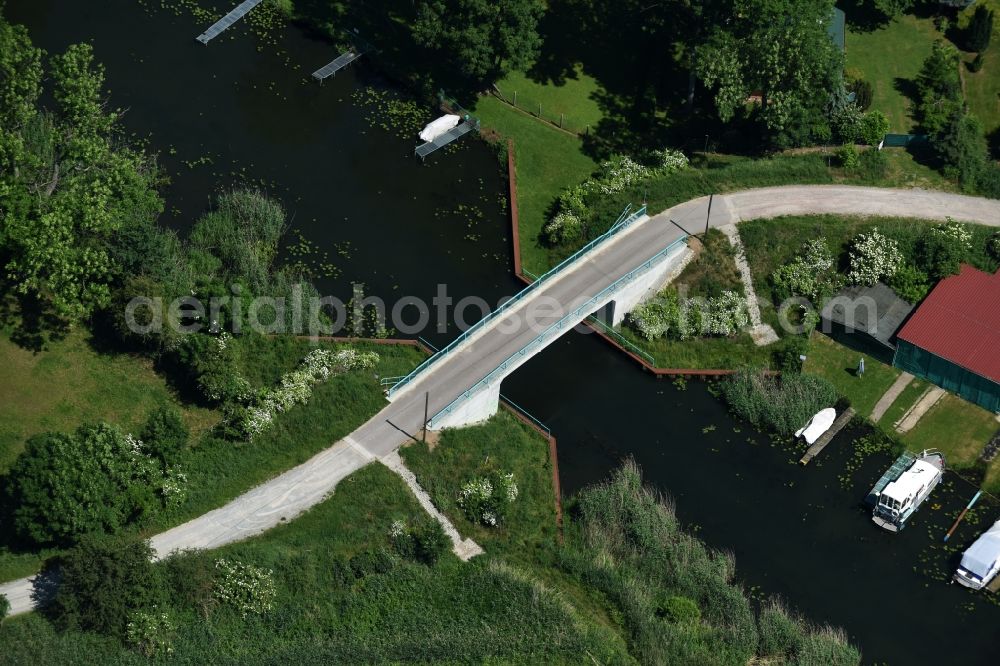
<point>866,319</point>
<point>953,338</point>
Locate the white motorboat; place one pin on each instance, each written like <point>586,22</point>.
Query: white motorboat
<point>981,562</point>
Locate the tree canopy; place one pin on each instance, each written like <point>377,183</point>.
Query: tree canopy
<point>484,39</point>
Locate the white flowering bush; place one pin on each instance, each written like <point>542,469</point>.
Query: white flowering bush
<point>485,500</point>
<point>296,387</point>
<point>727,314</point>
<point>150,633</point>
<point>874,257</point>
<point>174,488</point>
<point>247,588</point>
<point>565,227</point>
<point>655,318</point>
<point>955,232</point>
<point>618,173</point>
<point>811,274</point>
<point>670,161</point>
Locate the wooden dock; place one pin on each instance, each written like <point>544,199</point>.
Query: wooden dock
<point>342,61</point>
<point>232,17</point>
<point>827,436</point>
<point>994,585</point>
<point>425,149</point>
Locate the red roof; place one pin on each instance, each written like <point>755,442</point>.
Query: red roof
<point>960,321</point>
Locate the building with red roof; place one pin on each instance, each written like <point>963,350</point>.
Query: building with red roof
<point>953,337</point>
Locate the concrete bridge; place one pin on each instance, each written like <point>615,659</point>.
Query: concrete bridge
<point>462,382</point>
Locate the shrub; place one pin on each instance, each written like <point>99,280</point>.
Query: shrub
<point>847,123</point>
<point>563,229</point>
<point>190,577</point>
<point>977,63</point>
<point>425,542</point>
<point>993,245</point>
<point>150,632</point>
<point>980,30</point>
<point>783,404</point>
<point>873,257</point>
<point>4,607</point>
<point>618,173</point>
<point>164,434</point>
<point>863,93</point>
<point>681,610</point>
<point>727,314</point>
<point>910,283</point>
<point>245,587</point>
<point>942,249</point>
<point>961,146</point>
<point>811,273</point>
<point>105,579</point>
<point>97,479</point>
<point>847,155</point>
<point>874,127</point>
<point>656,317</point>
<point>669,161</point>
<point>485,499</point>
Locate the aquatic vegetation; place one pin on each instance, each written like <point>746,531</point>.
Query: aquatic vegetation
<point>391,112</point>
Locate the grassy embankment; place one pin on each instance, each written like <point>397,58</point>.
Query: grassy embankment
<point>217,469</point>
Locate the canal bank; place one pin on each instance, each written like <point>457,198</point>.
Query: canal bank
<point>794,532</point>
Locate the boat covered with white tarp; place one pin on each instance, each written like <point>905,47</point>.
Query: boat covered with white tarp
<point>981,562</point>
<point>440,126</point>
<point>818,424</point>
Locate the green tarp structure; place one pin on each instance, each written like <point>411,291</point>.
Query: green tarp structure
<point>949,376</point>
<point>838,29</point>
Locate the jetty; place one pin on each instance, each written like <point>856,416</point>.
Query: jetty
<point>828,436</point>
<point>232,17</point>
<point>425,149</point>
<point>342,61</point>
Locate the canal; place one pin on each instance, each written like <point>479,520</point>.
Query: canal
<point>230,114</point>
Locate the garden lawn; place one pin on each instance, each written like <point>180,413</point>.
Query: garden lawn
<point>982,89</point>
<point>571,102</point>
<point>69,383</point>
<point>546,160</point>
<point>839,365</point>
<point>903,402</point>
<point>959,429</point>
<point>890,59</point>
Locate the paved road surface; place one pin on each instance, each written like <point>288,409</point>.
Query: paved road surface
<point>291,493</point>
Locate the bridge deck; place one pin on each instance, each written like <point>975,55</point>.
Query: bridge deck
<point>232,17</point>
<point>425,149</point>
<point>342,61</point>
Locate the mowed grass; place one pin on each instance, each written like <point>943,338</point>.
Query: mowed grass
<point>890,59</point>
<point>502,444</point>
<point>571,102</point>
<point>902,403</point>
<point>69,383</point>
<point>546,161</point>
<point>839,365</point>
<point>982,89</point>
<point>958,428</point>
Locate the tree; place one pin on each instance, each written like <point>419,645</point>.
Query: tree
<point>104,580</point>
<point>780,48</point>
<point>485,38</point>
<point>74,186</point>
<point>980,29</point>
<point>961,146</point>
<point>94,480</point>
<point>4,607</point>
<point>939,89</point>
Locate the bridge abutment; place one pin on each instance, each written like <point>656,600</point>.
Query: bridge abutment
<point>481,406</point>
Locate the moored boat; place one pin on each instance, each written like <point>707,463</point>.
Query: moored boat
<point>981,562</point>
<point>904,487</point>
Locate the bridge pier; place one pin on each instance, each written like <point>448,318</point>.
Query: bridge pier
<point>649,284</point>
<point>482,406</point>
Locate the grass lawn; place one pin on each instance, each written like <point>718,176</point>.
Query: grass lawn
<point>502,444</point>
<point>903,402</point>
<point>982,89</point>
<point>547,161</point>
<point>69,383</point>
<point>571,102</point>
<point>838,364</point>
<point>956,427</point>
<point>890,59</point>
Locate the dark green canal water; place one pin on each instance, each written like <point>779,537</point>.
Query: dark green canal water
<point>387,221</point>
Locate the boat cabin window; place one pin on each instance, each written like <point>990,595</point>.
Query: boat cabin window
<point>888,502</point>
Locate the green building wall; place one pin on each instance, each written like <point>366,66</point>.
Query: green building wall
<point>974,388</point>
